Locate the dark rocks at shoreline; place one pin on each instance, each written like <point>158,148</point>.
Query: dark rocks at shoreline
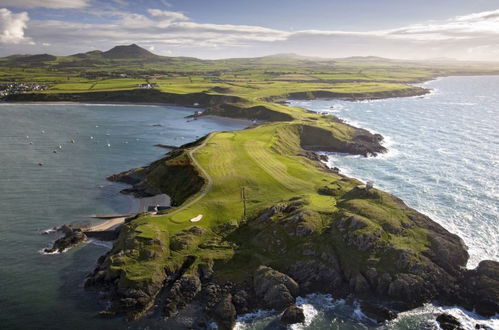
<point>225,313</point>
<point>449,322</point>
<point>292,315</point>
<point>377,312</point>
<point>71,238</point>
<point>277,290</point>
<point>479,288</point>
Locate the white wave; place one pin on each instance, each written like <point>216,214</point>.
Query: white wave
<point>97,242</point>
<point>42,251</point>
<point>430,312</point>
<point>48,231</point>
<point>243,320</point>
<point>212,325</point>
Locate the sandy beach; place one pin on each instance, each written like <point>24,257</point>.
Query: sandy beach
<point>108,224</point>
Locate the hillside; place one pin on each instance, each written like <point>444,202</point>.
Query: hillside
<point>131,51</point>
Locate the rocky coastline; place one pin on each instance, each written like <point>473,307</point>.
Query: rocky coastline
<point>352,256</point>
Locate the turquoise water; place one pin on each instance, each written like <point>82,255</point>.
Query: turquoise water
<point>45,291</point>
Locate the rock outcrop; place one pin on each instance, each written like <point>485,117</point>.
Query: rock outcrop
<point>276,289</point>
<point>292,315</point>
<point>479,288</point>
<point>72,237</point>
<point>449,322</point>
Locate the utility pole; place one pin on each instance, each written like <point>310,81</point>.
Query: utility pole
<point>243,198</point>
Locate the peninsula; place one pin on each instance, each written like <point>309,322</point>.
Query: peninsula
<point>259,219</point>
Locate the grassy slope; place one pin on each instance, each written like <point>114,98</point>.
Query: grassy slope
<point>264,161</point>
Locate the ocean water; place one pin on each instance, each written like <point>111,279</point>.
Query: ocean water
<point>46,291</point>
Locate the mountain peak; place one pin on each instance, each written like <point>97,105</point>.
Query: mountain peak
<point>128,51</point>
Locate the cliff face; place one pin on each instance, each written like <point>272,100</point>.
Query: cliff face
<point>410,91</point>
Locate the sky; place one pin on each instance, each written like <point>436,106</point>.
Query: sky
<point>421,29</point>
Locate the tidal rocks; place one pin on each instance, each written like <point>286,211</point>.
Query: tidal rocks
<point>277,290</point>
<point>225,313</point>
<point>292,315</point>
<point>71,238</point>
<point>377,312</point>
<point>449,322</point>
<point>479,288</point>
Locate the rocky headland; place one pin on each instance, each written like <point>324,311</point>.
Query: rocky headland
<point>323,232</point>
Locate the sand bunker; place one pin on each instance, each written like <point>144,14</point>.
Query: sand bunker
<point>196,219</point>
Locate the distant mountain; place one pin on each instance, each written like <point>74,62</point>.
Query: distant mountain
<point>87,54</point>
<point>367,59</point>
<point>130,51</point>
<point>288,55</point>
<point>38,58</point>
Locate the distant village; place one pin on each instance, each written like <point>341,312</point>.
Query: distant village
<point>18,88</point>
<point>148,86</point>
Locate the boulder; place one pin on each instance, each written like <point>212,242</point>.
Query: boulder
<point>378,313</point>
<point>292,315</point>
<point>277,290</point>
<point>225,313</point>
<point>479,288</point>
<point>449,322</point>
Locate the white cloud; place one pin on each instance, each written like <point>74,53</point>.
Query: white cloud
<point>12,27</point>
<point>171,31</point>
<point>166,15</point>
<point>484,15</point>
<point>54,4</point>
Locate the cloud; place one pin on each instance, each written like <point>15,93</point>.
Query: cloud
<point>166,15</point>
<point>12,27</point>
<point>173,31</point>
<point>54,4</point>
<point>484,15</point>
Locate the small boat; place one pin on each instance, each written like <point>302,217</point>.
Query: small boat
<point>91,138</point>
<point>109,144</point>
<point>73,141</point>
<point>55,151</point>
<point>40,164</point>
<point>60,146</point>
<point>30,142</point>
<point>43,131</point>
<point>27,136</point>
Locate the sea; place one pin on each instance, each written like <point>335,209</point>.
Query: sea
<point>443,160</point>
